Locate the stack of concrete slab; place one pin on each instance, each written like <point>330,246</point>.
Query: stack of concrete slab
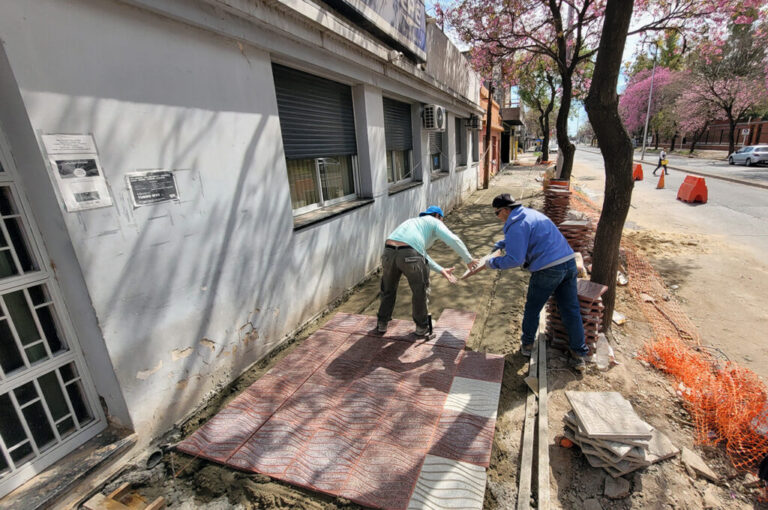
<point>556,202</point>
<point>611,435</point>
<point>579,234</point>
<point>591,307</point>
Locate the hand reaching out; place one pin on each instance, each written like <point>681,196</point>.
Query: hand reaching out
<point>448,273</point>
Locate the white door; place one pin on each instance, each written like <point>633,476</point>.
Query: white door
<point>48,405</point>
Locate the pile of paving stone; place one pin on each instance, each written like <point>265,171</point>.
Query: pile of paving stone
<point>611,435</point>
<point>557,198</point>
<point>591,305</point>
<point>579,234</point>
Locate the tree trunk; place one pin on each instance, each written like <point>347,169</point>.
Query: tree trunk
<point>488,141</point>
<point>566,148</point>
<point>656,142</point>
<point>697,137</point>
<point>602,107</point>
<point>731,134</point>
<point>545,135</point>
<point>672,143</point>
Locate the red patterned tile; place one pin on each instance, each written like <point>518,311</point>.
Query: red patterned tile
<point>346,322</point>
<point>449,338</point>
<point>384,476</point>
<point>407,427</point>
<point>338,372</point>
<point>325,461</point>
<point>464,437</point>
<point>272,449</point>
<point>378,381</point>
<point>362,348</point>
<point>456,320</point>
<point>481,365</point>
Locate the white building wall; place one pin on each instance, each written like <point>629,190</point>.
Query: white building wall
<point>187,295</point>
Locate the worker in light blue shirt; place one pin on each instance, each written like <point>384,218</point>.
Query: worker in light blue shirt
<point>405,252</point>
<point>533,242</point>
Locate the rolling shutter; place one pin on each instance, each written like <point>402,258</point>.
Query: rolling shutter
<point>397,125</point>
<point>316,115</point>
<point>435,143</point>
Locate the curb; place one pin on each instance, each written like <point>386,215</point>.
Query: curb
<point>703,174</point>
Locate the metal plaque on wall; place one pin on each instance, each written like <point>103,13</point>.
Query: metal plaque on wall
<point>152,187</point>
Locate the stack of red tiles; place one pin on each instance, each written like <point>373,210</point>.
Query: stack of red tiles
<point>578,233</point>
<point>556,202</point>
<point>591,305</point>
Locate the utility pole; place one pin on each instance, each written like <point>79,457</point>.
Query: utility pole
<point>488,141</point>
<point>650,95</point>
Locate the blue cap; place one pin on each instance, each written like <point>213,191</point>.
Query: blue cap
<point>432,209</point>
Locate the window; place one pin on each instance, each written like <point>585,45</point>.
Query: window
<point>318,128</point>
<point>399,140</point>
<point>461,141</point>
<point>319,182</point>
<point>436,151</point>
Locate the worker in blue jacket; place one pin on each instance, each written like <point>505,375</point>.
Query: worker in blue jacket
<point>533,242</point>
<point>405,252</point>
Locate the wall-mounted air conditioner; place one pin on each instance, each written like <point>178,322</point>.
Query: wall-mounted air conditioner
<point>434,118</point>
<point>474,122</point>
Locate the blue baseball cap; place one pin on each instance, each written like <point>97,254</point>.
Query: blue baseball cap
<point>433,209</point>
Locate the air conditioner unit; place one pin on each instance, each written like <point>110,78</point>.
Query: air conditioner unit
<point>473,122</point>
<point>434,117</point>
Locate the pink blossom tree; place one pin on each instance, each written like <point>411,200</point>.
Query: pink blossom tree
<point>516,31</point>
<point>567,31</point>
<point>538,85</point>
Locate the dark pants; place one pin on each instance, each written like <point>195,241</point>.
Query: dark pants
<point>659,166</point>
<point>559,280</point>
<point>407,261</point>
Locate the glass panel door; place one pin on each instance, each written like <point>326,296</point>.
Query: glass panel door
<point>48,405</point>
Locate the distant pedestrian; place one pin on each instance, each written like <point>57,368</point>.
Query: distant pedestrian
<point>405,252</point>
<point>662,162</point>
<point>532,241</point>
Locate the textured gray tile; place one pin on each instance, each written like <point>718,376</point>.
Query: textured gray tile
<point>474,396</point>
<point>444,484</point>
<point>607,415</point>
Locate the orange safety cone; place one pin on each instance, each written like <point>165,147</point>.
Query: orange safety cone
<point>660,185</point>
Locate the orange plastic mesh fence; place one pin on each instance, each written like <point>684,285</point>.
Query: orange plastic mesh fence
<point>727,402</point>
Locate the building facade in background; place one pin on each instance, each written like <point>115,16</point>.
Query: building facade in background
<point>184,184</point>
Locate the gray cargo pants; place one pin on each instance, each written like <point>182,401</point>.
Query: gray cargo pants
<point>398,261</point>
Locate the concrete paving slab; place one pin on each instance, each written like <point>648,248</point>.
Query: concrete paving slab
<point>445,483</point>
<point>607,415</point>
<point>619,447</point>
<point>474,397</point>
<point>697,464</point>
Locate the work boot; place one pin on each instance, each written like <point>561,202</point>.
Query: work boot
<point>381,327</point>
<point>526,350</point>
<point>578,362</point>
<point>421,331</point>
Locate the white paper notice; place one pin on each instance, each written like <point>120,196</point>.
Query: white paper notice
<point>77,171</point>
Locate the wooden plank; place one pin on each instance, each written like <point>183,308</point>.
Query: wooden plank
<point>526,460</point>
<point>543,430</point>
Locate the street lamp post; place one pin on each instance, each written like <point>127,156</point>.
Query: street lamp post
<point>650,94</point>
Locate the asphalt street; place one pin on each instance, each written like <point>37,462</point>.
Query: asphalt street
<point>734,210</point>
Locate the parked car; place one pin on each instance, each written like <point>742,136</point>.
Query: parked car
<point>750,155</point>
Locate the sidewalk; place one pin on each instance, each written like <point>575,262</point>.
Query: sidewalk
<point>712,168</point>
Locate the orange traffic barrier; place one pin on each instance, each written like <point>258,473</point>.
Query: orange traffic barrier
<point>693,189</point>
<point>660,185</point>
<point>637,173</point>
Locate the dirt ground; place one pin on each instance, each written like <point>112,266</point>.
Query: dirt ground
<point>498,299</point>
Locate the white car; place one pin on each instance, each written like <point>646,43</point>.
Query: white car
<point>750,155</point>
